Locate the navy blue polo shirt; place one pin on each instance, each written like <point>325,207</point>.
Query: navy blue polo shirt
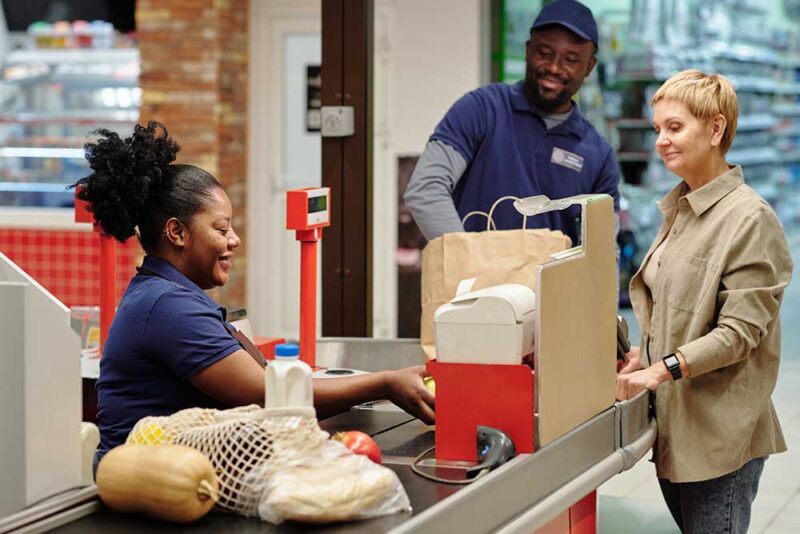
<point>510,151</point>
<point>165,330</point>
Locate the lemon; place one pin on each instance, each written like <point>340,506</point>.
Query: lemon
<point>147,434</point>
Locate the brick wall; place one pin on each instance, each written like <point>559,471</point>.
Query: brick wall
<point>194,80</point>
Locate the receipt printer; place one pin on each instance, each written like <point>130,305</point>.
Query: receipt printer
<point>490,325</point>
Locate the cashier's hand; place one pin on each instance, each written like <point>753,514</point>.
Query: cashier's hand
<point>405,388</point>
<point>631,362</point>
<point>631,384</point>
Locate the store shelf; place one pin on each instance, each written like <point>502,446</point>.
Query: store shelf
<point>78,117</point>
<point>788,89</point>
<point>792,156</point>
<point>643,157</point>
<point>756,84</point>
<point>754,156</point>
<point>55,99</point>
<point>42,152</point>
<point>787,132</point>
<point>745,53</point>
<point>33,187</point>
<point>761,121</point>
<point>112,56</point>
<point>633,124</point>
<point>787,110</point>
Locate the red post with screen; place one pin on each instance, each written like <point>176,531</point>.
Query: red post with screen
<point>307,213</point>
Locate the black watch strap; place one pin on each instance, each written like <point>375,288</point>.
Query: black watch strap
<point>673,365</point>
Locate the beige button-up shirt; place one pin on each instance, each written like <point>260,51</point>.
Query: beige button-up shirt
<point>716,299</point>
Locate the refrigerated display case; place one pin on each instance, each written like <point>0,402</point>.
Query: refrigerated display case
<point>51,100</point>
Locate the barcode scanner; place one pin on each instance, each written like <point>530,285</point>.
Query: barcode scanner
<point>494,449</point>
<point>623,344</point>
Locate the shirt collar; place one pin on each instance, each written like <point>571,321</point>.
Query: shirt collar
<point>166,270</point>
<point>575,123</point>
<point>702,199</point>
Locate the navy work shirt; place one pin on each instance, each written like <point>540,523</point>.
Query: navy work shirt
<point>165,330</point>
<point>510,151</point>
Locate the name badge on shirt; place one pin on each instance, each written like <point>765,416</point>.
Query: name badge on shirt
<point>567,159</point>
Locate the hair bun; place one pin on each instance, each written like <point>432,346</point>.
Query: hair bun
<point>126,172</point>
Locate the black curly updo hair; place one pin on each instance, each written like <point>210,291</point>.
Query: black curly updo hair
<point>134,184</point>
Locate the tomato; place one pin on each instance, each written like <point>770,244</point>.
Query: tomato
<point>360,443</point>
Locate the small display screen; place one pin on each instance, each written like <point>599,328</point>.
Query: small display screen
<point>317,204</point>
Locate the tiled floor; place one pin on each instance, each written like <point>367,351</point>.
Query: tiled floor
<point>631,502</point>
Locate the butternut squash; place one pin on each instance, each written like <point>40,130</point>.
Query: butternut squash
<point>170,482</point>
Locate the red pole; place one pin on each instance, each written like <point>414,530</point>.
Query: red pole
<point>308,294</point>
<point>108,276</point>
<point>108,267</point>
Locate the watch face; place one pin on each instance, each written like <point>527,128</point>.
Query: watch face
<point>673,365</point>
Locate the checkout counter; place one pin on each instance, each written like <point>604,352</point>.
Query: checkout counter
<point>582,437</point>
<point>520,496</point>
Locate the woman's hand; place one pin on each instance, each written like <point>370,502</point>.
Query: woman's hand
<point>631,362</point>
<point>631,384</point>
<point>405,388</point>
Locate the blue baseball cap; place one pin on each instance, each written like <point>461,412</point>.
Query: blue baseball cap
<point>571,14</point>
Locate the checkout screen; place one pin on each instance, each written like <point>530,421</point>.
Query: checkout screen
<point>316,204</point>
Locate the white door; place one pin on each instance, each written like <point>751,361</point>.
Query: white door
<point>285,40</point>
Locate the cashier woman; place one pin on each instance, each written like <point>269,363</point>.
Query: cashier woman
<point>169,346</point>
<point>708,297</point>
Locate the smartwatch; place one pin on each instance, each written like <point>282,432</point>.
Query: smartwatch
<point>673,365</point>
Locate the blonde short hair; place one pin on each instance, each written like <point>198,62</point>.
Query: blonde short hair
<point>706,96</point>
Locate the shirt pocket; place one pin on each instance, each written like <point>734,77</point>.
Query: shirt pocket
<point>690,280</point>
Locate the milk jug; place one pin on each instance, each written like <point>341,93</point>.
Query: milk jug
<point>287,380</point>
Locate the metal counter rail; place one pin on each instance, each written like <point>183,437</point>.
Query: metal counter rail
<point>530,490</point>
<point>53,512</point>
<point>549,508</point>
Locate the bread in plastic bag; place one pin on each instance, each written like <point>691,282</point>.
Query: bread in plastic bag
<point>334,485</point>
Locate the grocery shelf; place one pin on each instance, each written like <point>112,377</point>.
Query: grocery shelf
<point>42,152</point>
<point>56,99</point>
<point>760,121</point>
<point>633,124</point>
<point>72,117</point>
<point>633,156</point>
<point>73,55</point>
<point>754,156</point>
<point>755,84</point>
<point>787,110</point>
<point>791,157</point>
<point>33,187</point>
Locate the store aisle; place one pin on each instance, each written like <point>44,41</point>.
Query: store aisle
<point>631,502</point>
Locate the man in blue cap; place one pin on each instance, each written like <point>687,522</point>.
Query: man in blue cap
<point>524,139</point>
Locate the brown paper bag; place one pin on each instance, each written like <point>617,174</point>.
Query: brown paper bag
<point>492,257</point>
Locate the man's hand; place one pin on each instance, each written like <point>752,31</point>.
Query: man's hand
<point>406,389</point>
<point>631,362</point>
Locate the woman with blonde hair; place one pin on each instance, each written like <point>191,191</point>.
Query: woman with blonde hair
<point>707,298</point>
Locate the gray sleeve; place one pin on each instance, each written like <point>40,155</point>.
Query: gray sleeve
<point>429,194</point>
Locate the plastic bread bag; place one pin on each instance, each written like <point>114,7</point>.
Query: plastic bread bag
<point>333,485</point>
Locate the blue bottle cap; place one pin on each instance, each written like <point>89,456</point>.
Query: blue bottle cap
<point>287,350</point>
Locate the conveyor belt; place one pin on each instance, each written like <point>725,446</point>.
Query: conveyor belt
<point>520,496</point>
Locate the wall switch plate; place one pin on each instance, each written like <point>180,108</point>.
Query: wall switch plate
<point>337,121</point>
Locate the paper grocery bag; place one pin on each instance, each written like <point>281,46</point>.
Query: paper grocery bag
<point>491,257</point>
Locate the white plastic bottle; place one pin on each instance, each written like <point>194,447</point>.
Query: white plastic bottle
<point>287,380</point>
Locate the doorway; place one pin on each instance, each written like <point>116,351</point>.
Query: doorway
<point>284,152</point>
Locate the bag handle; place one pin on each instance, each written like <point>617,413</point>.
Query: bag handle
<point>490,225</point>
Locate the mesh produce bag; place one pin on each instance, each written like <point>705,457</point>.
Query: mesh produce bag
<point>279,464</point>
